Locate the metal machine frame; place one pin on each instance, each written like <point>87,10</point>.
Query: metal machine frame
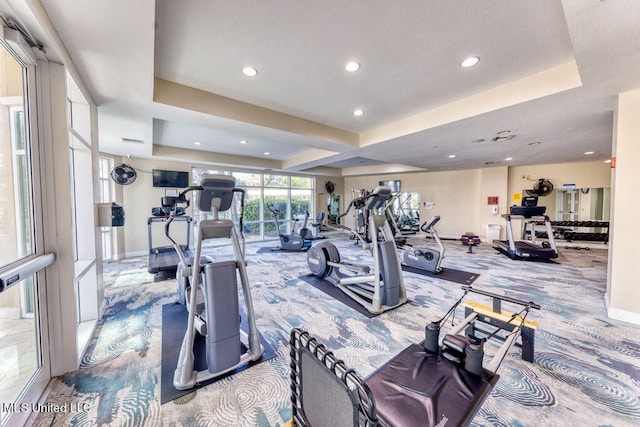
<point>426,258</point>
<point>217,315</point>
<point>379,290</point>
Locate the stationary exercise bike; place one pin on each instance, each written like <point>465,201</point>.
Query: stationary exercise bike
<point>211,293</point>
<point>288,242</point>
<point>425,258</point>
<point>302,230</point>
<point>313,232</point>
<point>378,290</point>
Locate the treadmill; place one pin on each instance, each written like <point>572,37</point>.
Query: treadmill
<point>530,212</point>
<point>163,260</point>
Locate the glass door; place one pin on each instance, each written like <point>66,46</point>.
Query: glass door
<point>24,368</point>
<point>568,203</point>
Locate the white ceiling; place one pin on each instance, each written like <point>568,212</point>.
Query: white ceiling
<point>549,72</point>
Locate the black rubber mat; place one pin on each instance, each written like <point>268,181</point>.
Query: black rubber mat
<point>174,324</point>
<point>449,274</point>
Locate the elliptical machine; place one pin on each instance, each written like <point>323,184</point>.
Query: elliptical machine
<point>211,291</point>
<point>383,288</point>
<point>288,242</point>
<point>424,258</point>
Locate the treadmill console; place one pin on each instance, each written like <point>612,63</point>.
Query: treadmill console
<point>529,207</point>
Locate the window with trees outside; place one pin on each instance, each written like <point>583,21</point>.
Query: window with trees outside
<point>292,196</point>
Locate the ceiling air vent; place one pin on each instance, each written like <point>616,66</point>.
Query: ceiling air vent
<point>491,163</point>
<point>132,141</point>
<point>502,138</point>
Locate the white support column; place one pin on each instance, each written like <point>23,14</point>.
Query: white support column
<point>623,287</point>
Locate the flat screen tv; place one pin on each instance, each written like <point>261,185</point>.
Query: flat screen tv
<point>394,185</point>
<point>175,179</point>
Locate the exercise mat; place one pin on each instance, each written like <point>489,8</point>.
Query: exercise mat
<point>174,325</point>
<point>335,292</point>
<point>449,274</point>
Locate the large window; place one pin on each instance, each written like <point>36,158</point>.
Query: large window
<point>291,196</point>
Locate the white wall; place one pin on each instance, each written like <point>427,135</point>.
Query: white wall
<point>583,175</point>
<point>138,198</point>
<point>453,195</point>
<point>460,197</point>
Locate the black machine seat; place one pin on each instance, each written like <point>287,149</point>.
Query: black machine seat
<point>417,387</point>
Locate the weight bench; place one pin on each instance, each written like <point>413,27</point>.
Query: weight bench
<point>433,383</point>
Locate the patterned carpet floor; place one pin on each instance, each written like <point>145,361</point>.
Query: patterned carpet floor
<point>585,372</point>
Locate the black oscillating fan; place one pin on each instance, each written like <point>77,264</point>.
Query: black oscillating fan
<point>543,187</point>
<point>123,174</point>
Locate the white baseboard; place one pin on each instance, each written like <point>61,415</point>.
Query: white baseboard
<point>135,254</point>
<point>9,312</point>
<point>622,315</point>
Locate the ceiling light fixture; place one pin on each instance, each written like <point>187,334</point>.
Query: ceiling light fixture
<point>535,143</point>
<point>352,67</point>
<point>358,112</point>
<point>451,156</point>
<point>249,71</point>
<point>508,159</point>
<point>608,161</point>
<point>266,153</point>
<point>470,62</point>
<point>502,132</point>
<point>244,141</point>
<point>477,140</point>
<point>197,143</point>
<point>588,152</point>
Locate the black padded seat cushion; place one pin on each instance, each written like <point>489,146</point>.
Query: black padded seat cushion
<point>420,388</point>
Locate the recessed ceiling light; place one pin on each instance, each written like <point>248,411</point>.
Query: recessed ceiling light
<point>266,153</point>
<point>451,156</point>
<point>608,161</point>
<point>502,132</point>
<point>358,112</point>
<point>470,62</point>
<point>352,67</point>
<point>477,140</point>
<point>588,152</point>
<point>249,71</point>
<point>197,143</point>
<point>535,143</point>
<point>244,141</point>
<point>508,159</point>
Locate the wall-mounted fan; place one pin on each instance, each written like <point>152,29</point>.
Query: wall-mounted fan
<point>330,186</point>
<point>543,187</point>
<point>123,174</point>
